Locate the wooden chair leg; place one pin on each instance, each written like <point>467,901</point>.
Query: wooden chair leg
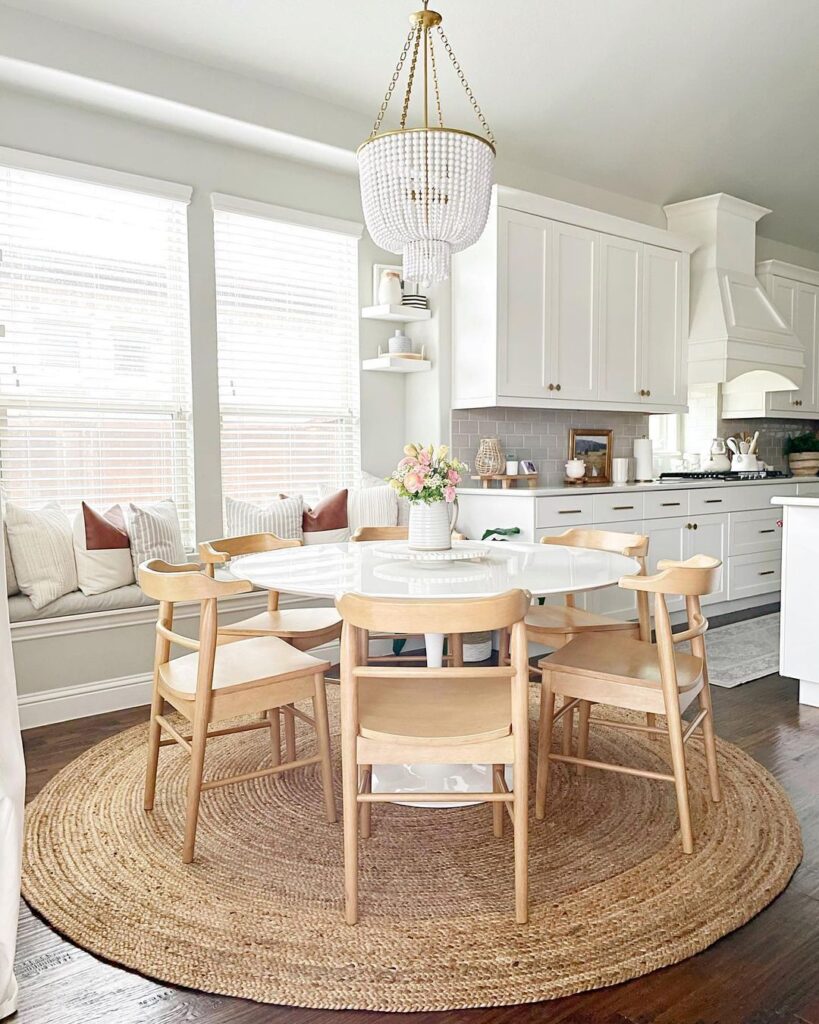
<point>709,741</point>
<point>274,718</point>
<point>197,764</point>
<point>544,746</point>
<point>497,808</point>
<point>675,735</point>
<point>503,647</point>
<point>289,733</point>
<point>154,736</point>
<point>349,773</point>
<point>323,741</point>
<point>366,811</point>
<point>651,722</point>
<point>456,650</point>
<point>583,734</point>
<point>568,730</point>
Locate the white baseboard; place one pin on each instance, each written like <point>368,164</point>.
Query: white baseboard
<point>47,707</point>
<point>61,705</point>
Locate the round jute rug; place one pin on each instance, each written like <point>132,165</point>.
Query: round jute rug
<point>259,914</point>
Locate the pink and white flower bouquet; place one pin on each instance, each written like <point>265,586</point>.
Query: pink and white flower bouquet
<point>426,474</point>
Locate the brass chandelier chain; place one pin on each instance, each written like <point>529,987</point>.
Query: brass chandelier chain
<point>462,79</point>
<point>393,82</point>
<point>413,63</point>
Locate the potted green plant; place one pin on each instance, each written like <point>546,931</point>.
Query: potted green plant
<point>803,454</point>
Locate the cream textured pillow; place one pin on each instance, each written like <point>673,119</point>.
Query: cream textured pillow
<point>155,533</point>
<point>372,506</point>
<point>42,552</point>
<point>12,587</point>
<point>282,517</point>
<point>102,550</point>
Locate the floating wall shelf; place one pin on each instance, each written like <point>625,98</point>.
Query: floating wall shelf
<point>397,364</point>
<point>395,314</point>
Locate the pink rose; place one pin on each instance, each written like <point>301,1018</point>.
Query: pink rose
<point>449,493</point>
<point>425,458</point>
<point>413,482</point>
<point>406,462</point>
<point>453,476</point>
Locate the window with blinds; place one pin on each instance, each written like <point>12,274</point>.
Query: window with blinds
<point>95,399</point>
<point>287,314</point>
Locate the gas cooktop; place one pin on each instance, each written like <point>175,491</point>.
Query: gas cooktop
<point>702,474</point>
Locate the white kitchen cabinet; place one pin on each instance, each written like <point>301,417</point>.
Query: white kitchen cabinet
<point>620,363</point>
<point>574,312</point>
<point>557,306</point>
<point>709,536</point>
<point>665,322</point>
<point>667,538</point>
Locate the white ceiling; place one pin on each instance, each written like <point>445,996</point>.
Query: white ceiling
<point>657,99</point>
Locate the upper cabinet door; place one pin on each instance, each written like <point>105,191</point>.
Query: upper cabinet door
<point>663,333</point>
<point>797,302</point>
<point>783,294</point>
<point>574,307</point>
<point>524,259</point>
<point>620,369</point>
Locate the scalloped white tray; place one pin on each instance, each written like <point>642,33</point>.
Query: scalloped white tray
<point>461,551</point>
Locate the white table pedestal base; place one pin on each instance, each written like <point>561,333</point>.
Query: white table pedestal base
<point>809,693</point>
<point>435,778</point>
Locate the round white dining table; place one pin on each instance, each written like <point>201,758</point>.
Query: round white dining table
<point>330,570</point>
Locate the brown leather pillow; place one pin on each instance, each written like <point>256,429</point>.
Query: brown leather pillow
<point>103,532</point>
<point>329,514</point>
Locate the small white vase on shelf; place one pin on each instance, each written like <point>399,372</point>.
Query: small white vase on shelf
<point>389,288</point>
<point>431,525</point>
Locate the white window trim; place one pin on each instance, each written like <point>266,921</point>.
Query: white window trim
<point>23,160</point>
<point>253,208</point>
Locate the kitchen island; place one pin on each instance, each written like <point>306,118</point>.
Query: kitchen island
<point>798,639</point>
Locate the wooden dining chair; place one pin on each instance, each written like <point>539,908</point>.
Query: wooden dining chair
<point>455,644</point>
<point>224,679</point>
<point>405,715</point>
<point>557,625</point>
<point>613,669</point>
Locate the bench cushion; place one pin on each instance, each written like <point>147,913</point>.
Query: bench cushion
<point>76,603</point>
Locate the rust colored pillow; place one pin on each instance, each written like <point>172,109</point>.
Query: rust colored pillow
<point>103,532</point>
<point>329,514</point>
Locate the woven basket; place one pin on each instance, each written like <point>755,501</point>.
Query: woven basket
<point>490,458</point>
<point>803,463</point>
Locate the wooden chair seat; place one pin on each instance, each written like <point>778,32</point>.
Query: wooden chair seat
<point>567,619</point>
<point>293,623</point>
<point>623,660</point>
<point>249,663</point>
<point>434,711</point>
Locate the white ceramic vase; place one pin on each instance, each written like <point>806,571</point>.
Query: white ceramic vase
<point>431,526</point>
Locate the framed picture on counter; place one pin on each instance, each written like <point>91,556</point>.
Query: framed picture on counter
<point>594,447</point>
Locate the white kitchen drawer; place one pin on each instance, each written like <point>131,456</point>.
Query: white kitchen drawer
<point>705,500</point>
<point>565,510</point>
<point>749,575</point>
<point>756,532</point>
<point>808,489</point>
<point>616,508</point>
<point>665,504</point>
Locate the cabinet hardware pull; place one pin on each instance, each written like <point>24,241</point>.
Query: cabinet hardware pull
<point>694,527</point>
<point>688,526</point>
<point>621,508</point>
<point>642,393</point>
<point>557,387</point>
<point>551,387</point>
<point>648,393</point>
<point>671,504</point>
<point>713,501</point>
<point>768,572</point>
<point>772,530</point>
<point>570,511</point>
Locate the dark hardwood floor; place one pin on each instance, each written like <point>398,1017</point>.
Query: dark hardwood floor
<point>764,973</point>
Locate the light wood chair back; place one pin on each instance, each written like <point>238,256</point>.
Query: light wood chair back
<point>220,552</point>
<point>370,533</point>
<point>416,736</point>
<point>471,615</point>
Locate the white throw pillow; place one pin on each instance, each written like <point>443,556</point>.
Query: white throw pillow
<point>282,517</point>
<point>12,586</point>
<point>42,552</point>
<point>372,506</point>
<point>102,550</point>
<point>155,533</point>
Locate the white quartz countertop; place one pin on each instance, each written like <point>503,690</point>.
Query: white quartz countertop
<point>791,500</point>
<point>655,485</point>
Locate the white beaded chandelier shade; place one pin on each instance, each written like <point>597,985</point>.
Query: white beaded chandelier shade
<point>426,190</point>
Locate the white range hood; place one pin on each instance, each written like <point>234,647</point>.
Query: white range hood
<point>737,337</point>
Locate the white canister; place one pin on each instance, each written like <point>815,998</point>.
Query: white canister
<point>389,288</point>
<point>575,469</point>
<point>643,460</point>
<point>511,467</point>
<point>619,471</point>
<point>399,343</point>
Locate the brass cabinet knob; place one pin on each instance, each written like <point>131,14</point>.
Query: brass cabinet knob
<point>642,393</point>
<point>694,527</point>
<point>551,387</point>
<point>648,393</point>
<point>557,387</point>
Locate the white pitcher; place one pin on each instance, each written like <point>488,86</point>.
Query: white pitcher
<point>431,526</point>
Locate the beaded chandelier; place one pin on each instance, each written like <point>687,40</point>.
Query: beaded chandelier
<point>425,191</point>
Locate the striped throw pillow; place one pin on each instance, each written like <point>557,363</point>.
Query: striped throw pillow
<point>155,533</point>
<point>42,552</point>
<point>282,517</point>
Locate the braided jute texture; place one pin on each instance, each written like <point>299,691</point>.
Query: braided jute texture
<point>259,913</point>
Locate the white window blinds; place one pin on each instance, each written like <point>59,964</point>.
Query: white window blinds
<point>287,311</point>
<point>95,364</point>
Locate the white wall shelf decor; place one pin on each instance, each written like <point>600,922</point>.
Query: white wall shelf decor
<point>396,364</point>
<point>395,314</point>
